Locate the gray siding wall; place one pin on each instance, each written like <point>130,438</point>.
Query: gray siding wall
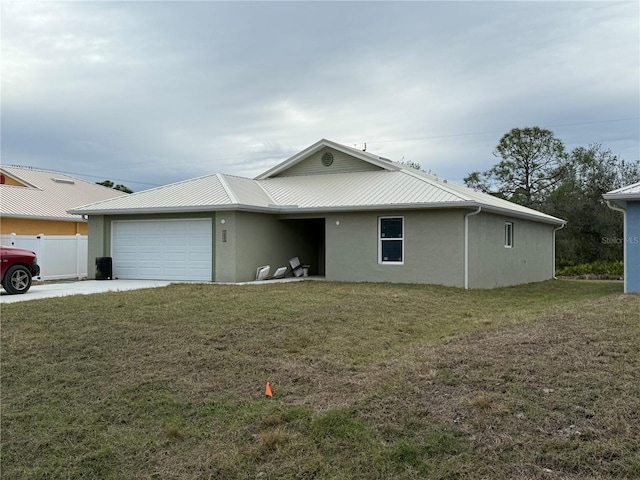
<point>434,242</point>
<point>492,265</point>
<point>342,163</point>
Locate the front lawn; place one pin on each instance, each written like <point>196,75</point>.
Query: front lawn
<point>369,381</point>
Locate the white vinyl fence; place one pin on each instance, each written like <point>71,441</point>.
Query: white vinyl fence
<point>59,256</point>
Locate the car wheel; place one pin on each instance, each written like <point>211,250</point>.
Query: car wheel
<point>17,280</point>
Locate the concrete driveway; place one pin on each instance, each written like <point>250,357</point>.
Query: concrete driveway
<point>79,287</point>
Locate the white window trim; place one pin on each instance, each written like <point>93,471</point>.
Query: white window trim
<point>380,240</point>
<point>508,234</point>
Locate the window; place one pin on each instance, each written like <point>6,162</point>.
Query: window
<point>508,234</point>
<point>391,240</point>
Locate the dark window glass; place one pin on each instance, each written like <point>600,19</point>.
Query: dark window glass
<point>392,251</point>
<point>391,227</point>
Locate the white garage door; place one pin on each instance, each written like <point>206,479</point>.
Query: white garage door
<point>162,249</point>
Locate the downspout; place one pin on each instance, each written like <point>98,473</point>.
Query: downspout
<point>624,243</point>
<point>554,249</point>
<point>466,246</point>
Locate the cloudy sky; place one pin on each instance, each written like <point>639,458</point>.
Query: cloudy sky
<point>152,92</point>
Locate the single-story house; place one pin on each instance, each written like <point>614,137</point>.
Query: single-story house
<point>627,201</point>
<point>350,215</point>
<point>34,201</point>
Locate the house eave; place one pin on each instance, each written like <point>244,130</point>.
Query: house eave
<point>296,210</point>
<point>527,216</point>
<point>178,209</point>
<point>424,206</point>
<point>621,196</point>
<point>45,218</point>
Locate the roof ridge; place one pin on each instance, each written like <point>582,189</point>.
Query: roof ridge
<point>259,184</point>
<point>436,183</point>
<point>227,188</point>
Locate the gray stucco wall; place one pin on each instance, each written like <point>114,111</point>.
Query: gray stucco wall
<point>224,244</point>
<point>434,243</point>
<point>344,246</point>
<point>96,243</point>
<point>263,239</point>
<point>492,265</point>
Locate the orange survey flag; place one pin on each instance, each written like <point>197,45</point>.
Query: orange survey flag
<point>267,390</point>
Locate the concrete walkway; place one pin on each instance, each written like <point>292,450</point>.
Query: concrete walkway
<point>87,287</point>
<point>80,287</point>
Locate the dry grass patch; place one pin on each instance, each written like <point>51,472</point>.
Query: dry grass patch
<point>369,381</point>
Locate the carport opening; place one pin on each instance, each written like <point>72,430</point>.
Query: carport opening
<point>311,251</point>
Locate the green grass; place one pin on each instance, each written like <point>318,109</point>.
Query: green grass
<point>369,381</point>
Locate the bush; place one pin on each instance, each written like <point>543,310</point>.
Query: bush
<point>596,268</point>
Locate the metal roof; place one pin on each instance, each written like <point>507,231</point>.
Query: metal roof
<point>394,186</point>
<point>356,189</point>
<point>47,195</point>
<point>629,192</point>
<point>200,193</point>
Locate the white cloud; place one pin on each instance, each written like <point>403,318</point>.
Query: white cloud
<point>162,91</point>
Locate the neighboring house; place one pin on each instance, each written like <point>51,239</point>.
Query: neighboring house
<point>350,215</point>
<point>627,201</point>
<point>36,201</point>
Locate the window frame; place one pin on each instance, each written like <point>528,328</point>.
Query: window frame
<point>508,234</point>
<point>381,240</point>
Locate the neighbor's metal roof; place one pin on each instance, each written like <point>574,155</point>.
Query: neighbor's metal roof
<point>198,194</point>
<point>629,192</point>
<point>48,195</point>
<point>394,186</point>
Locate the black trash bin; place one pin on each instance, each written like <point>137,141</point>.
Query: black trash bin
<point>104,268</point>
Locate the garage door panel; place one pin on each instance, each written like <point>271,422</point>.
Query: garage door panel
<point>162,249</point>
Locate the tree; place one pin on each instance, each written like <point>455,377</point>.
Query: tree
<point>532,164</point>
<point>410,164</point>
<point>590,172</point>
<point>120,187</point>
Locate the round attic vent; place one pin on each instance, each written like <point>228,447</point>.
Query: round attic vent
<point>327,159</point>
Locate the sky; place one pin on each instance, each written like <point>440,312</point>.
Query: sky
<point>148,93</point>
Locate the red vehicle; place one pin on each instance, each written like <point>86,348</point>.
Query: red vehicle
<point>18,266</point>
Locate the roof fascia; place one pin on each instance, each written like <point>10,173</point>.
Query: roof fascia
<point>298,157</point>
<point>294,210</point>
<point>527,216</point>
<point>621,196</point>
<point>154,210</point>
<point>50,219</point>
<point>429,206</point>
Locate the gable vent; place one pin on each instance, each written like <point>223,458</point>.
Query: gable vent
<point>64,180</point>
<point>327,159</point>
